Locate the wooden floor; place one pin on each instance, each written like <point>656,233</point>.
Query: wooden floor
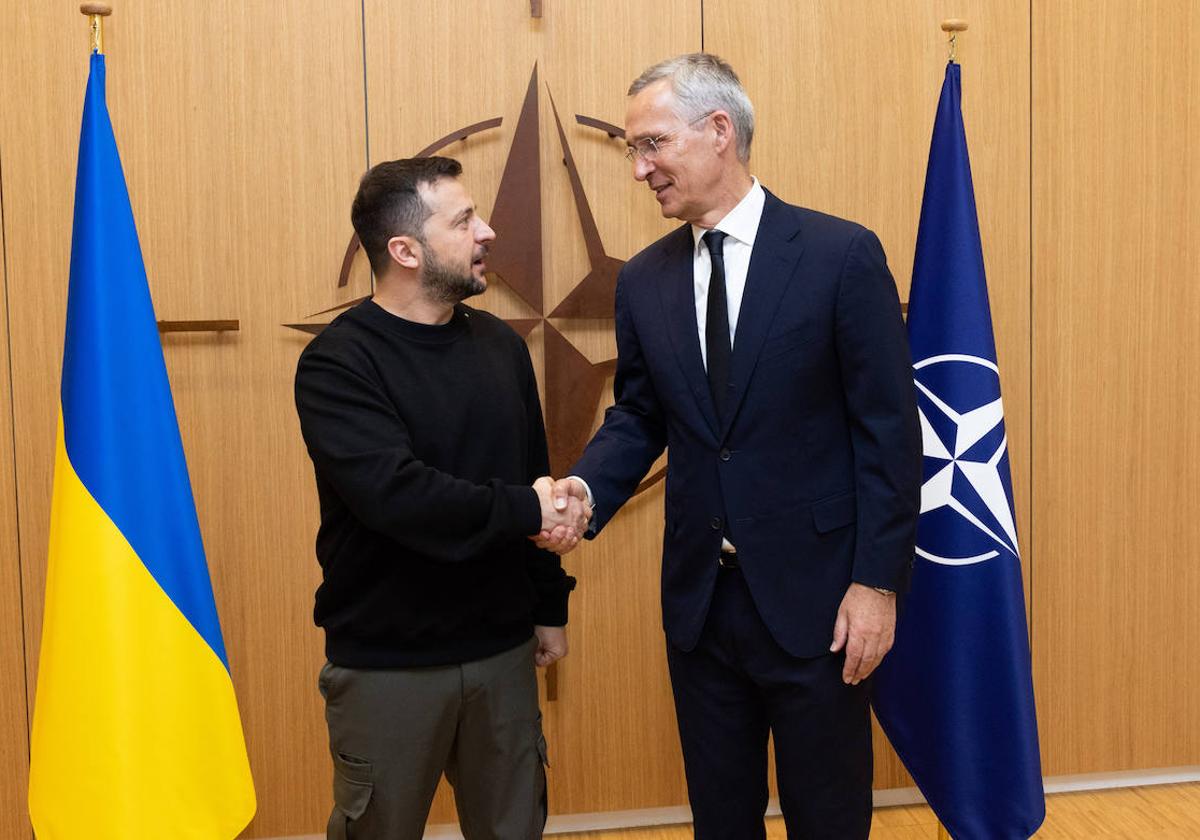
<point>1165,812</point>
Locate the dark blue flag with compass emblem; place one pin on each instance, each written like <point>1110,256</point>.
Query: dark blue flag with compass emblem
<point>955,695</point>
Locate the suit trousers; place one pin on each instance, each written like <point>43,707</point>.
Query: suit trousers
<point>394,731</point>
<point>736,687</point>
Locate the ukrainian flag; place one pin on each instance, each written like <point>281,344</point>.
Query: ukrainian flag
<point>136,732</point>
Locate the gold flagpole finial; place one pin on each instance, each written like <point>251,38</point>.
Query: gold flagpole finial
<point>954,26</point>
<point>97,12</point>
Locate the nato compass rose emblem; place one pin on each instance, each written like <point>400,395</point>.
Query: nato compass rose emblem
<point>966,497</point>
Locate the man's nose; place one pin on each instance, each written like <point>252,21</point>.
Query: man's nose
<point>642,168</point>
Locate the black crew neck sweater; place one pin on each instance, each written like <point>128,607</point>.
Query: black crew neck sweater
<point>425,440</point>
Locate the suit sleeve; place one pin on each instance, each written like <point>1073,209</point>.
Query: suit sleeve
<point>552,584</point>
<point>876,371</point>
<point>362,448</point>
<point>633,434</point>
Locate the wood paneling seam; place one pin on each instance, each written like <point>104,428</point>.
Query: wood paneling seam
<point>12,431</point>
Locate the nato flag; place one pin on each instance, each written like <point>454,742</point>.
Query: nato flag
<point>955,695</point>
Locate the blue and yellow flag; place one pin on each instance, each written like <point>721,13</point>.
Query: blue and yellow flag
<point>955,695</point>
<point>136,732</point>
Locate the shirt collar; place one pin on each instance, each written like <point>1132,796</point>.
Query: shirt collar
<point>741,222</point>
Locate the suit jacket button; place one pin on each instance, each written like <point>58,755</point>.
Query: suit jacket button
<point>716,523</point>
<point>726,455</point>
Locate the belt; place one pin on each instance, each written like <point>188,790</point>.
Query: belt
<point>728,560</point>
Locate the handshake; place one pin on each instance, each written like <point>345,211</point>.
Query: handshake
<point>565,513</point>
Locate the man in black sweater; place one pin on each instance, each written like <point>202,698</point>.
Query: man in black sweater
<point>422,419</point>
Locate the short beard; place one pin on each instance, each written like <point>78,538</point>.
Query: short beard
<point>445,285</point>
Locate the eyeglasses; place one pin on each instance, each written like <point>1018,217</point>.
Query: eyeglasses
<point>649,147</point>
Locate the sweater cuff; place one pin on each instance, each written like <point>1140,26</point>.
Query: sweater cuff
<point>551,608</point>
<point>526,510</point>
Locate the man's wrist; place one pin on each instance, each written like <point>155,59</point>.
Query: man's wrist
<point>526,504</point>
<point>591,500</point>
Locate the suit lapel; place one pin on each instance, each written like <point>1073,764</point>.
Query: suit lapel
<point>777,249</point>
<point>678,294</point>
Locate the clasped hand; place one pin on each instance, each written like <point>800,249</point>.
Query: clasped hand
<point>565,514</point>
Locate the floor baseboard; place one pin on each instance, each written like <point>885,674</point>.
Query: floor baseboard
<point>607,820</point>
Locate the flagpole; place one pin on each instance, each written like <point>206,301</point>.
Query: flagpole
<point>97,12</point>
<point>952,26</point>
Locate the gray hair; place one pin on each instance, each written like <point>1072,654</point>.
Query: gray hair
<point>703,83</point>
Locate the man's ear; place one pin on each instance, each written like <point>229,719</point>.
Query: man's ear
<point>405,251</point>
<point>723,127</point>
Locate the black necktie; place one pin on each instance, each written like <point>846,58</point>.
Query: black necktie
<point>716,330</point>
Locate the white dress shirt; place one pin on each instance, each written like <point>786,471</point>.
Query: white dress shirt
<point>740,227</point>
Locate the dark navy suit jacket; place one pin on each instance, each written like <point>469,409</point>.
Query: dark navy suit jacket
<point>815,475</point>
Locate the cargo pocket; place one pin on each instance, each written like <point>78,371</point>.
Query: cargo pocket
<point>544,758</point>
<point>542,751</point>
<point>352,786</point>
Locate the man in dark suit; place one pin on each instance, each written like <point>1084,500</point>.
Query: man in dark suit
<point>762,345</point>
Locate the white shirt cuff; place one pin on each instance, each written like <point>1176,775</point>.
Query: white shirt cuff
<point>591,500</point>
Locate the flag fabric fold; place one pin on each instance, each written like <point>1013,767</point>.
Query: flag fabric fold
<point>955,694</point>
<point>136,730</point>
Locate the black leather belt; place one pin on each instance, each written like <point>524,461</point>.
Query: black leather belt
<point>728,560</point>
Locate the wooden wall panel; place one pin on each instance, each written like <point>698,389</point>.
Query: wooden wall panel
<point>844,107</point>
<point>1116,165</point>
<point>242,134</point>
<point>38,146</point>
<point>435,68</point>
<point>14,721</point>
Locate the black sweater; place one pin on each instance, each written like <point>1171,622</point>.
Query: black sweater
<point>425,441</point>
